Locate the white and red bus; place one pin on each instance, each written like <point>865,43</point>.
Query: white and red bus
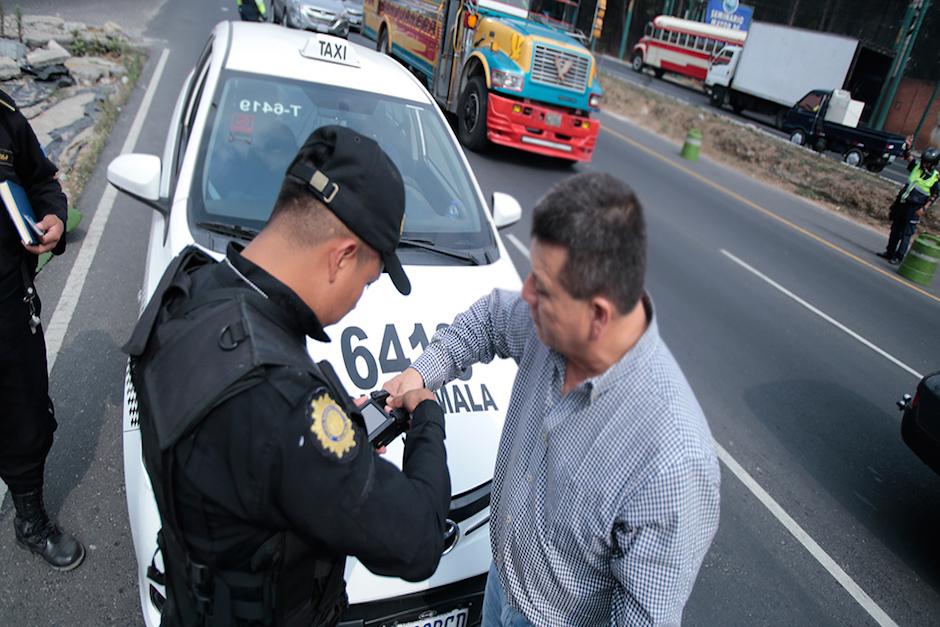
<point>671,44</point>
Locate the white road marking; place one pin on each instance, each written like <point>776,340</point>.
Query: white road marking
<point>62,316</point>
<point>897,362</point>
<point>844,580</point>
<point>811,546</point>
<point>519,245</point>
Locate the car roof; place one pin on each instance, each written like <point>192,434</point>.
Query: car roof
<point>272,50</point>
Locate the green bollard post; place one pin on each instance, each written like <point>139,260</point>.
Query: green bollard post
<point>920,262</point>
<point>692,145</point>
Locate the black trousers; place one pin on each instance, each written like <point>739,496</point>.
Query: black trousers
<point>27,417</point>
<point>249,11</point>
<point>903,225</point>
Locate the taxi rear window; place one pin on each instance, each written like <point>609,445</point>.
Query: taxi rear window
<point>259,123</point>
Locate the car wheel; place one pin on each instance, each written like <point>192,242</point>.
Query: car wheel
<point>877,166</point>
<point>853,157</point>
<point>637,63</point>
<point>471,114</point>
<point>717,96</point>
<point>798,137</point>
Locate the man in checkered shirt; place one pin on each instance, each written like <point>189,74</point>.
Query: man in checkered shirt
<point>605,493</point>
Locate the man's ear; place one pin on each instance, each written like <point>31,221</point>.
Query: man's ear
<point>343,254</point>
<point>602,312</point>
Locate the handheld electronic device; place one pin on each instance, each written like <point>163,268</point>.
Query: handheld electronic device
<point>382,426</point>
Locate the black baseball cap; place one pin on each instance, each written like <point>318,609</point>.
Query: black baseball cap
<point>354,178</point>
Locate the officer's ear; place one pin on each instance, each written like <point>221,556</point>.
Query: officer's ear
<point>343,254</point>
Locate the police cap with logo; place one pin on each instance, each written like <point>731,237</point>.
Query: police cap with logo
<point>354,178</point>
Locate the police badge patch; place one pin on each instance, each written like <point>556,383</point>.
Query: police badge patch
<point>332,427</point>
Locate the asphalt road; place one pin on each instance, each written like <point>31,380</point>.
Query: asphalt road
<point>692,94</point>
<point>802,410</point>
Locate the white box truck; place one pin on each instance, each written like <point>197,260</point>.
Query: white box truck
<point>778,65</point>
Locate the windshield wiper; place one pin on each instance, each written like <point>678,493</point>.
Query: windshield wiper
<point>232,230</point>
<point>426,244</point>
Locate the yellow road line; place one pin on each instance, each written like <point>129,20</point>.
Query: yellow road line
<point>768,212</point>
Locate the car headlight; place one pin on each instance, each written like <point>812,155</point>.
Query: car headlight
<point>595,101</point>
<point>510,81</point>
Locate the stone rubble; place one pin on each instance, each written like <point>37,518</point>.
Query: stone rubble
<point>64,107</point>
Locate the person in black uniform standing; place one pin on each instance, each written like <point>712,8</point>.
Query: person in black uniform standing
<point>261,467</point>
<point>27,418</point>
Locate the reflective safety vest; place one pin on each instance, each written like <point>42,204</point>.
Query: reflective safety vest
<point>919,183</point>
<point>258,3</point>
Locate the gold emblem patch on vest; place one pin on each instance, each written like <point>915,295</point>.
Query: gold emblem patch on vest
<point>331,426</point>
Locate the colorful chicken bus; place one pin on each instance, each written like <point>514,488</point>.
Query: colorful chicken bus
<point>671,44</point>
<point>511,77</point>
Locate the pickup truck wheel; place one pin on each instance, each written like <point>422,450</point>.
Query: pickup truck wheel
<point>637,62</point>
<point>717,97</point>
<point>853,157</point>
<point>798,137</point>
<point>471,114</point>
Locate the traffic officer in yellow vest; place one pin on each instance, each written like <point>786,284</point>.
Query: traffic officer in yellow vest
<point>921,191</point>
<point>252,10</point>
<point>260,463</point>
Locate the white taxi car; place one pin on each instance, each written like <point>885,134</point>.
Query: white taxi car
<point>254,96</point>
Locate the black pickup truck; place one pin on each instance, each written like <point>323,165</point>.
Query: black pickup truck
<point>807,125</point>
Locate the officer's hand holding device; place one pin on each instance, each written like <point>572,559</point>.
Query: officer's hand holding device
<point>382,426</point>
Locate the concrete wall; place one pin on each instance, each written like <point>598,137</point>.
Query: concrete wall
<point>909,104</point>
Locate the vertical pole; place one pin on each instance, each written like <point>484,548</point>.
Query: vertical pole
<point>923,118</point>
<point>910,39</point>
<point>626,29</point>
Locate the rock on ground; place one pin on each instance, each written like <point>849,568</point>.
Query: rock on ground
<point>62,114</point>
<point>52,55</point>
<point>8,68</point>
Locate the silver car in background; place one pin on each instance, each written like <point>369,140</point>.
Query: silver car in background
<point>354,13</point>
<point>320,16</point>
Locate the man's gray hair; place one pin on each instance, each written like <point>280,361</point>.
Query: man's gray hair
<point>599,220</point>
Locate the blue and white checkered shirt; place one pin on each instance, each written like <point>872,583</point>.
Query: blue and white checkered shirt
<point>605,500</point>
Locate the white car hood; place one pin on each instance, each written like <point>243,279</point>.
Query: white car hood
<point>386,332</point>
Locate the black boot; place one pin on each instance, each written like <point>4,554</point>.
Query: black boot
<point>35,532</point>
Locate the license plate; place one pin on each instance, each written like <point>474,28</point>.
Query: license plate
<point>454,618</point>
<point>553,119</point>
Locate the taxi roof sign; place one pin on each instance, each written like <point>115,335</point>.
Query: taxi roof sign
<point>330,49</point>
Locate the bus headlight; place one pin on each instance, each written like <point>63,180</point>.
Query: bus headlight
<point>510,81</point>
<point>594,101</point>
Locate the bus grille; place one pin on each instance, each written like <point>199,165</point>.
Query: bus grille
<point>549,65</point>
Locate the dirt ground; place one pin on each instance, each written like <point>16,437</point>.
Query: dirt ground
<point>848,190</point>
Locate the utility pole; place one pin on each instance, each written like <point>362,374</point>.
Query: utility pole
<point>626,29</point>
<point>907,37</point>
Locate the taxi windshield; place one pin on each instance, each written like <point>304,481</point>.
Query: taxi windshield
<point>259,123</point>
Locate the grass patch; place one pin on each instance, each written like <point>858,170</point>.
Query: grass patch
<point>852,191</point>
<point>100,46</point>
<point>84,165</point>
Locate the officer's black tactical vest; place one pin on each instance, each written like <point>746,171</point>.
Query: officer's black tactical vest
<point>232,333</point>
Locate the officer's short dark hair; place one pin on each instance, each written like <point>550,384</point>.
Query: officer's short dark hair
<point>599,221</point>
<point>307,221</point>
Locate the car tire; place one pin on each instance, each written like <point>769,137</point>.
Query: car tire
<point>798,137</point>
<point>854,157</point>
<point>876,166</point>
<point>637,62</point>
<point>471,114</point>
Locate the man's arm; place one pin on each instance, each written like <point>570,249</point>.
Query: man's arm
<point>38,177</point>
<point>356,503</point>
<point>659,543</point>
<point>498,324</point>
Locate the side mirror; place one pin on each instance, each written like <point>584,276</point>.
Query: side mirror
<point>138,176</point>
<point>506,210</point>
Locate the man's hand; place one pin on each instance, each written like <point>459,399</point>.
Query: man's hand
<point>920,212</point>
<point>408,380</point>
<point>411,399</point>
<point>54,229</point>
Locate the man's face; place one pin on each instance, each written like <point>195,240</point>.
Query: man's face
<point>562,322</point>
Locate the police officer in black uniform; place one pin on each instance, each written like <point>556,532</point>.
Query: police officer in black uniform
<point>260,464</point>
<point>27,418</point>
